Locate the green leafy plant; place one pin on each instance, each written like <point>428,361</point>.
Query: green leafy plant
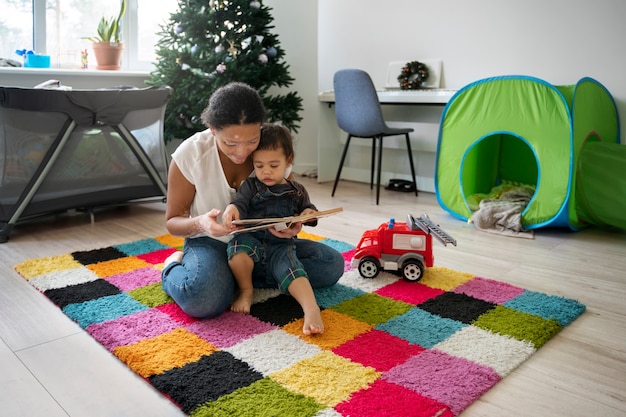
<point>109,30</point>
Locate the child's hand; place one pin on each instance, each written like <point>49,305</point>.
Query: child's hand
<point>230,214</point>
<point>310,222</point>
<point>308,211</point>
<point>288,232</point>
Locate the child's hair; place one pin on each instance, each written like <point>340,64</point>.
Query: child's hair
<point>274,137</point>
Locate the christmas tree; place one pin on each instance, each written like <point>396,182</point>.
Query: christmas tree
<point>209,43</point>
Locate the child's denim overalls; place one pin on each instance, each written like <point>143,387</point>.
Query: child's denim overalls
<point>265,249</point>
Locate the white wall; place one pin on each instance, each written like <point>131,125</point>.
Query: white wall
<point>295,22</point>
<point>559,41</point>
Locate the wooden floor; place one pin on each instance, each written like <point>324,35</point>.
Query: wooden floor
<point>50,367</point>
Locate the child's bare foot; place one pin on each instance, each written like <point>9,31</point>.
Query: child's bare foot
<point>174,257</point>
<point>313,323</point>
<point>243,303</point>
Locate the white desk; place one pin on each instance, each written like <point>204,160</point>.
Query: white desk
<point>331,139</point>
<point>429,97</point>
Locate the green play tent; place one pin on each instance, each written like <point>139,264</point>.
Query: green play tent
<point>523,130</point>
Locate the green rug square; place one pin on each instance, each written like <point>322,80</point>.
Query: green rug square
<point>151,295</point>
<point>372,308</point>
<point>261,398</point>
<point>520,325</point>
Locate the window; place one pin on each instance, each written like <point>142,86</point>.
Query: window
<point>56,28</point>
<point>409,242</point>
<point>16,27</point>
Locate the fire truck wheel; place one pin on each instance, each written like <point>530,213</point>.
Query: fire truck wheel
<point>369,267</point>
<point>412,270</point>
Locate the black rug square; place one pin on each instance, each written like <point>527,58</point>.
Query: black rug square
<point>206,380</point>
<point>460,307</point>
<point>98,255</point>
<point>80,293</point>
<point>279,310</point>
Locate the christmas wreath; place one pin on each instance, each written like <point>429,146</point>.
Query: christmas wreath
<point>413,75</point>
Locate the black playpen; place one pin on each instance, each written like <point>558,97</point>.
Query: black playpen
<point>79,149</point>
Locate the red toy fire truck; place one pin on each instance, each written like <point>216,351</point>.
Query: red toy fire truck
<point>400,247</point>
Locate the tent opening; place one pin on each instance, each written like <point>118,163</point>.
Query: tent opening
<point>495,160</point>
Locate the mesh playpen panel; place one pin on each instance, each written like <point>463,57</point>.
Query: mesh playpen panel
<point>58,154</point>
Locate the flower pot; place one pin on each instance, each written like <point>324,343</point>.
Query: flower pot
<point>108,55</point>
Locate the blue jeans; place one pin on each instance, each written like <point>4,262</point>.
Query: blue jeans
<point>204,286</point>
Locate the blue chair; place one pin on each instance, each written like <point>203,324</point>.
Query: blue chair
<point>358,113</point>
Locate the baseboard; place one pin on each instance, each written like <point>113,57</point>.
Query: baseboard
<point>426,184</point>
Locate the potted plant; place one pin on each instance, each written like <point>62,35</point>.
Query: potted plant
<point>107,45</point>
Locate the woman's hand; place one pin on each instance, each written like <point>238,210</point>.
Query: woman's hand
<point>208,223</point>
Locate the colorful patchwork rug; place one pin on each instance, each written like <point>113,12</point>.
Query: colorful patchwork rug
<point>390,347</point>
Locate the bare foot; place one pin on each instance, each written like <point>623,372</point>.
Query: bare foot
<point>243,302</point>
<point>313,323</point>
<point>174,257</point>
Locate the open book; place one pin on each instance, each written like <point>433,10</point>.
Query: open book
<point>280,223</point>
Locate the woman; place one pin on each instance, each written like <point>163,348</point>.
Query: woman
<point>204,175</point>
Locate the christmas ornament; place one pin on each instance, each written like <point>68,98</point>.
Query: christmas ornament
<point>179,29</point>
<point>198,72</point>
<point>221,68</point>
<point>194,49</point>
<point>219,49</point>
<point>271,52</point>
<point>232,49</point>
<point>255,4</point>
<point>413,75</point>
<point>263,59</point>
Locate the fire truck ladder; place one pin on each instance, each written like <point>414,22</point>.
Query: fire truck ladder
<point>427,226</point>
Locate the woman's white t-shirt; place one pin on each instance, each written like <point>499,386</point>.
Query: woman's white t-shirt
<point>198,160</point>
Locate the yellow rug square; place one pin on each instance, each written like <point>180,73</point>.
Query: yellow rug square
<point>310,236</point>
<point>338,329</point>
<point>35,267</point>
<point>326,377</point>
<point>444,278</point>
<point>169,240</point>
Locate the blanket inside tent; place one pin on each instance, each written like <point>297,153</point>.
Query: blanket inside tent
<point>500,211</point>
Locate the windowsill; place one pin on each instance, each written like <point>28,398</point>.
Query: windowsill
<point>74,78</point>
<point>73,72</point>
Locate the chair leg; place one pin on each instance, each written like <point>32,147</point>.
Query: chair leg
<point>380,160</point>
<point>373,165</point>
<point>408,147</point>
<point>343,158</point>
